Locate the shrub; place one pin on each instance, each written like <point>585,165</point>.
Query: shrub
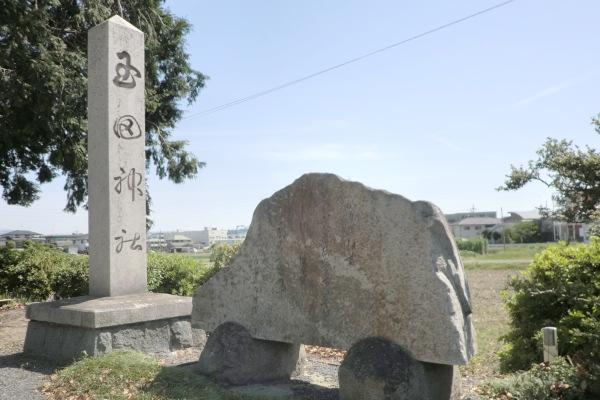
<point>559,380</point>
<point>177,274</point>
<point>182,275</point>
<point>222,254</point>
<point>477,245</point>
<point>523,232</point>
<point>561,288</point>
<point>42,270</point>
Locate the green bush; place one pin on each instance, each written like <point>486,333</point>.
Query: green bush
<point>40,271</point>
<point>559,380</point>
<point>561,288</point>
<point>177,274</point>
<point>222,254</point>
<point>182,275</point>
<point>477,245</point>
<point>523,232</point>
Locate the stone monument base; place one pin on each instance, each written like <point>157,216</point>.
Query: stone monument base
<point>377,368</point>
<point>152,323</point>
<point>233,357</point>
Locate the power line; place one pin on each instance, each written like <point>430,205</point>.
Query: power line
<point>265,92</point>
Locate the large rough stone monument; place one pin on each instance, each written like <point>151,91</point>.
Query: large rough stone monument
<point>332,263</point>
<point>118,313</point>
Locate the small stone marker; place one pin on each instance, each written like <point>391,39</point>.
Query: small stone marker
<point>550,340</point>
<point>117,162</point>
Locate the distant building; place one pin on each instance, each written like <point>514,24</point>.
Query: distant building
<point>74,243</point>
<point>473,226</point>
<point>477,214</point>
<point>206,237</point>
<point>551,230</point>
<point>238,234</point>
<point>19,237</point>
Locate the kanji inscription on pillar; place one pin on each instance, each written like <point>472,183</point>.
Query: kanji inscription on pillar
<point>117,164</point>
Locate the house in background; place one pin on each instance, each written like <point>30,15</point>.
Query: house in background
<point>19,237</point>
<point>456,217</point>
<point>74,243</point>
<point>545,225</point>
<point>177,243</point>
<point>470,227</point>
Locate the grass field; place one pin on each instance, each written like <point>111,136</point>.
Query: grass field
<point>509,252</point>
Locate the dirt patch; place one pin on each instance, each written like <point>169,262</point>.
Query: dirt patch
<point>13,326</point>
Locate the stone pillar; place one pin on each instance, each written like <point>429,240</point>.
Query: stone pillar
<point>118,313</point>
<point>117,162</point>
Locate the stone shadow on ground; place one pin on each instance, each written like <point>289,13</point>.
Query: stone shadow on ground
<point>40,364</point>
<point>22,375</point>
<point>295,389</point>
<point>298,384</point>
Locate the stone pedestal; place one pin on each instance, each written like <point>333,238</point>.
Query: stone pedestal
<point>232,357</point>
<point>377,368</point>
<point>152,323</point>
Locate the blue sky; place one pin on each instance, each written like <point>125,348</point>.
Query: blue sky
<point>440,118</point>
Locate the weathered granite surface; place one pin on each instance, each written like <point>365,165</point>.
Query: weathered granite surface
<point>330,262</point>
<point>232,357</point>
<point>156,338</point>
<point>99,312</point>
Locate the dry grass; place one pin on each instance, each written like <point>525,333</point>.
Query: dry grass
<point>489,318</point>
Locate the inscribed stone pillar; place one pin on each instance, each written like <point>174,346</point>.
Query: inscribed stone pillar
<point>117,164</point>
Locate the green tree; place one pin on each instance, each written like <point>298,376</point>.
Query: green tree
<point>574,174</point>
<point>43,101</point>
<point>523,232</point>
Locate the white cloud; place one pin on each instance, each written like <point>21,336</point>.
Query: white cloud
<point>554,89</point>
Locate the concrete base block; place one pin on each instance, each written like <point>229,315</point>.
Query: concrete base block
<point>232,357</point>
<point>154,324</point>
<point>377,368</point>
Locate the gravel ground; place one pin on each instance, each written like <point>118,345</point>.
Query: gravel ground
<point>22,375</point>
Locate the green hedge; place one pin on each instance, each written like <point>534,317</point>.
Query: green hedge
<point>561,288</point>
<point>477,245</point>
<point>42,271</point>
<point>177,274</point>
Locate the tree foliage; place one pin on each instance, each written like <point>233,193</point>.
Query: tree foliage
<point>574,174</point>
<point>523,232</point>
<point>43,101</point>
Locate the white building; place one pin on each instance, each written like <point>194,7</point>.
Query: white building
<point>472,226</point>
